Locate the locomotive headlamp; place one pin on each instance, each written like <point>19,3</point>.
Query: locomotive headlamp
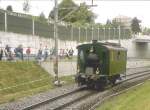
<point>97,71</point>
<point>92,49</point>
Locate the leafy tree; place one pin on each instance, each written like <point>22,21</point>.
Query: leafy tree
<point>9,8</point>
<point>146,31</point>
<point>116,24</point>
<point>83,15</point>
<point>135,26</point>
<point>62,10</point>
<point>70,12</point>
<point>42,17</point>
<point>26,6</point>
<point>108,23</point>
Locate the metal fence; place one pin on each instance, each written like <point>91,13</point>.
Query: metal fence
<point>26,24</point>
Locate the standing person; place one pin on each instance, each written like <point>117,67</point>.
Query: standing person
<point>67,53</point>
<point>60,53</point>
<point>71,52</point>
<point>39,55</point>
<point>7,48</point>
<point>7,51</point>
<point>20,51</point>
<point>45,53</point>
<point>28,51</point>
<point>63,53</point>
<point>52,53</point>
<point>1,53</point>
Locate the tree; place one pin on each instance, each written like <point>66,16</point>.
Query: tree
<point>26,6</point>
<point>135,26</point>
<point>116,24</point>
<point>9,8</point>
<point>84,15</point>
<point>42,17</point>
<point>70,12</point>
<point>108,23</point>
<point>62,11</point>
<point>146,31</point>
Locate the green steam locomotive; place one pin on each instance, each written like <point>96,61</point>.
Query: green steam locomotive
<point>100,64</point>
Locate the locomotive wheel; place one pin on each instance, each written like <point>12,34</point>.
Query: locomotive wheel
<point>90,86</point>
<point>97,86</point>
<point>113,81</point>
<point>79,84</point>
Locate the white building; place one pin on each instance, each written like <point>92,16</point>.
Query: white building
<point>123,20</point>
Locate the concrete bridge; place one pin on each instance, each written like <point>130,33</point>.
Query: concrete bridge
<point>142,39</point>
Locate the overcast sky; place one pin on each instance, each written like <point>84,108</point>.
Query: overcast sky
<point>104,10</point>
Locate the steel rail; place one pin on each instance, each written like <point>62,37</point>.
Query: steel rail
<point>73,101</point>
<point>119,88</point>
<point>126,80</point>
<point>124,90</point>
<point>137,75</point>
<point>52,99</point>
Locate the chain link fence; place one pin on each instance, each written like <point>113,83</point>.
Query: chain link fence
<point>30,25</point>
<point>37,34</point>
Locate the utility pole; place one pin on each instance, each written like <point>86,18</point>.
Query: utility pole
<point>98,34</point>
<point>104,34</point>
<point>5,21</point>
<point>86,33</point>
<point>92,32</point>
<point>119,35</point>
<point>56,43</point>
<point>114,34</point>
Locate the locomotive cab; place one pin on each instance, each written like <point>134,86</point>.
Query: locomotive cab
<point>99,64</point>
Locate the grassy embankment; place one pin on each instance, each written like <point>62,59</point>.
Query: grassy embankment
<point>134,99</point>
<point>28,77</point>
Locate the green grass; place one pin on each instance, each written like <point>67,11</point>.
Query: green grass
<point>68,79</point>
<point>24,78</point>
<point>135,99</point>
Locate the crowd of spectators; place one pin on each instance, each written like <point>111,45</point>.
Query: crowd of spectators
<point>20,53</point>
<point>8,54</point>
<point>66,53</point>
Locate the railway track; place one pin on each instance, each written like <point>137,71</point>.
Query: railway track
<point>54,99</point>
<point>91,102</point>
<point>142,77</point>
<point>66,101</point>
<point>83,99</point>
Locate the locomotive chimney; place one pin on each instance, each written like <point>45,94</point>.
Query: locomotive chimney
<point>94,41</point>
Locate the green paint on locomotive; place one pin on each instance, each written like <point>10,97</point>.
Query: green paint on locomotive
<point>112,59</point>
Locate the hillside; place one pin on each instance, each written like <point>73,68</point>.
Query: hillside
<point>19,79</point>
